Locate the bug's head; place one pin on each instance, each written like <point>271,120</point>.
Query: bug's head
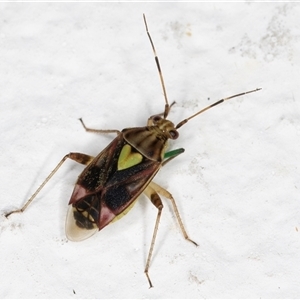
<point>164,125</point>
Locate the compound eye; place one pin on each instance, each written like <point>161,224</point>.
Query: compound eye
<point>173,134</point>
<point>156,118</point>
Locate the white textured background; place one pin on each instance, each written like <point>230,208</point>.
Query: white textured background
<point>237,184</point>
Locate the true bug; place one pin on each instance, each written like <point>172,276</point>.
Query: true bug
<point>114,179</point>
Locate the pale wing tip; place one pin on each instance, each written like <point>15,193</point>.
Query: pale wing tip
<point>74,232</point>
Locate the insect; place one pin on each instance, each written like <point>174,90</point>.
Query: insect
<point>113,180</point>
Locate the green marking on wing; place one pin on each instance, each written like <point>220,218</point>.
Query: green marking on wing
<point>173,153</point>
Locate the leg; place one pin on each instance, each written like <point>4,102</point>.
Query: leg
<point>155,199</point>
<point>166,194</point>
<point>78,157</point>
<point>151,192</point>
<point>99,130</point>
